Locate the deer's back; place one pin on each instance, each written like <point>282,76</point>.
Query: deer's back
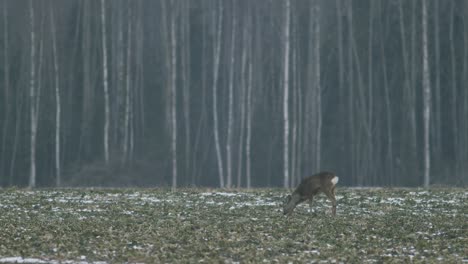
<point>314,184</point>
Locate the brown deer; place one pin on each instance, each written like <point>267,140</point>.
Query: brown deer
<point>309,187</point>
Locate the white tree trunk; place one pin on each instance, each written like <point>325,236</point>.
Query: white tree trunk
<point>426,98</point>
<point>286,97</point>
<point>437,104</point>
<point>105,83</point>
<point>231,105</point>
<point>127,94</point>
<point>318,87</point>
<point>388,108</point>
<point>186,81</point>
<point>118,96</point>
<point>8,104</point>
<point>243,105</point>
<point>294,98</point>
<point>58,106</point>
<point>32,97</point>
<point>217,52</point>
<point>249,124</point>
<point>453,80</point>
<point>174,100</point>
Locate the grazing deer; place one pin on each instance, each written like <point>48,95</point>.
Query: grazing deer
<point>309,187</point>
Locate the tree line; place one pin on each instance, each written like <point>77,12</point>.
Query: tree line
<point>233,93</point>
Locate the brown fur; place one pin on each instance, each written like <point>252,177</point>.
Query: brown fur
<point>309,187</point>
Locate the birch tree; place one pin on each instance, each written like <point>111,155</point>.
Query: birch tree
<point>249,110</point>
<point>437,102</point>
<point>216,56</point>
<point>341,76</point>
<point>411,91</point>
<point>351,93</point>
<point>173,96</point>
<point>243,103</point>
<point>58,106</point>
<point>317,77</point>
<point>105,82</point>
<point>408,79</point>
<point>33,99</point>
<point>426,97</point>
<point>128,91</point>
<point>231,100</point>
<point>286,95</point>
<point>186,76</point>
<point>453,92</point>
<point>388,108</point>
<point>370,93</point>
<point>7,100</point>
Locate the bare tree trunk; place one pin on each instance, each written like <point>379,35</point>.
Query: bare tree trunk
<point>128,91</point>
<point>426,98</point>
<point>87,101</point>
<point>231,101</point>
<point>217,50</point>
<point>249,102</point>
<point>174,98</point>
<point>411,91</point>
<point>294,111</point>
<point>453,103</point>
<point>186,81</point>
<point>464,137</point>
<point>19,111</point>
<point>318,87</point>
<point>32,98</point>
<point>362,129</point>
<point>388,108</point>
<point>369,141</point>
<point>341,93</point>
<point>352,137</point>
<point>139,100</point>
<point>300,129</point>
<point>249,110</point>
<point>7,101</point>
<point>117,89</point>
<point>437,103</point>
<point>58,106</point>
<point>203,115</point>
<point>408,94</point>
<point>286,96</point>
<point>105,83</point>
<point>243,103</point>
<point>137,116</point>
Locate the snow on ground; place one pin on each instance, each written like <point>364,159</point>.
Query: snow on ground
<point>238,216</point>
<point>49,261</point>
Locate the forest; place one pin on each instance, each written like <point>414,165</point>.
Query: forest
<point>233,93</point>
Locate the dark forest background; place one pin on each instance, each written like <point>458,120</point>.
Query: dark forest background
<point>215,93</point>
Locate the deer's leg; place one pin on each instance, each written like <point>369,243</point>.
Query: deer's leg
<point>331,195</point>
<point>310,204</point>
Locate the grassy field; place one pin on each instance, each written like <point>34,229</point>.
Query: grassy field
<point>192,225</point>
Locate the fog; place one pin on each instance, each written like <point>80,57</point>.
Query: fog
<point>233,93</point>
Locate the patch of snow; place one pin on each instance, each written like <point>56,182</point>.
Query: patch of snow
<point>365,188</point>
<point>36,260</point>
<point>21,260</point>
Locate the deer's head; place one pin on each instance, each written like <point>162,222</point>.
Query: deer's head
<point>290,203</point>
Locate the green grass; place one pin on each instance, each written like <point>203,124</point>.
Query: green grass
<point>191,225</point>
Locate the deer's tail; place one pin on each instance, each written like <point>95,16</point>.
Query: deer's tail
<point>334,180</point>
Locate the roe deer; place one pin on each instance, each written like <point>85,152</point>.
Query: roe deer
<point>309,187</point>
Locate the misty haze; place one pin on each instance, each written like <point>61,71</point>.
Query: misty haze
<point>174,130</point>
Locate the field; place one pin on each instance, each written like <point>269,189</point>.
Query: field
<point>200,225</point>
